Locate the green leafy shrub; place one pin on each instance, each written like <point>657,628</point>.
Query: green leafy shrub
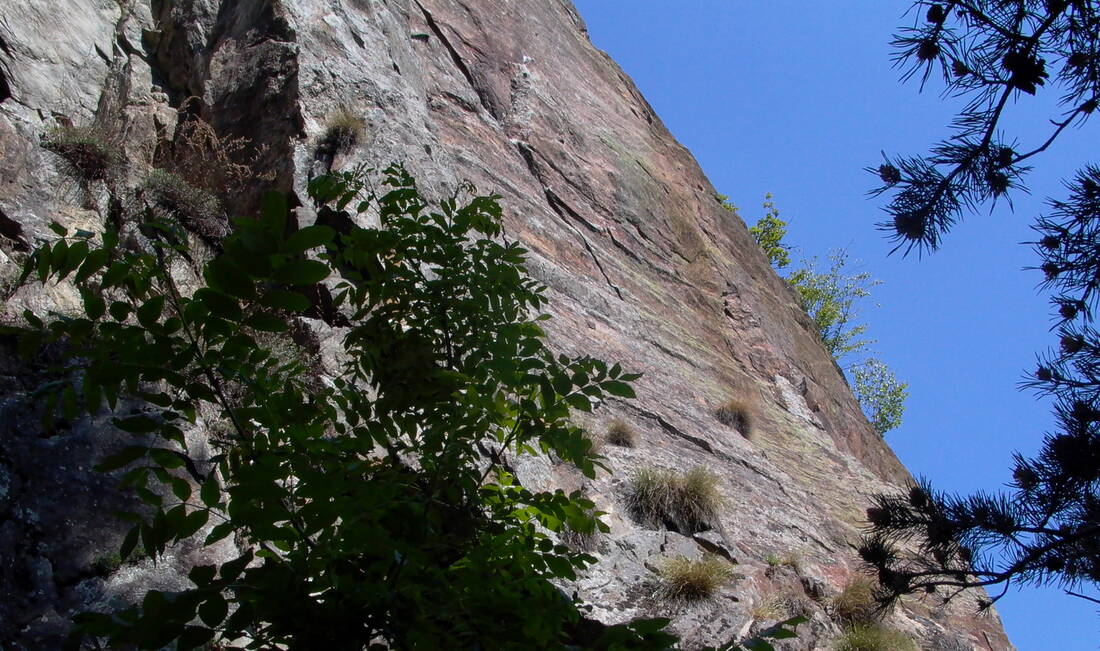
<point>874,637</point>
<point>881,395</point>
<point>86,151</point>
<point>621,434</point>
<point>856,603</point>
<point>686,502</point>
<point>769,232</point>
<point>735,414</point>
<point>199,210</point>
<point>373,508</point>
<point>684,580</point>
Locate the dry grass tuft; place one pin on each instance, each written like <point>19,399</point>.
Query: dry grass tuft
<point>197,209</point>
<point>856,603</point>
<point>874,637</point>
<point>89,155</point>
<point>686,581</point>
<point>621,434</point>
<point>735,414</point>
<point>685,502</point>
<point>343,130</point>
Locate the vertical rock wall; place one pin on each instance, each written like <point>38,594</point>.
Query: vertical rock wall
<point>643,264</point>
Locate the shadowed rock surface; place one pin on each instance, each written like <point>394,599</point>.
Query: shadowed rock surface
<point>643,263</point>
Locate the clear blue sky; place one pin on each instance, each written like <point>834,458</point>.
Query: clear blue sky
<point>796,98</point>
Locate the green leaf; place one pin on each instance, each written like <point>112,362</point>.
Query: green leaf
<point>95,261</point>
<point>212,612</point>
<point>284,300</point>
<point>220,304</point>
<point>273,214</point>
<point>219,532</point>
<point>266,322</point>
<point>211,491</point>
<point>617,388</point>
<point>194,521</point>
<point>226,276</point>
<point>123,457</point>
<point>149,311</point>
<point>129,542</point>
<point>578,401</point>
<point>168,459</point>
<point>73,258</point>
<point>120,311</point>
<point>302,272</point>
<point>94,305</point>
<point>59,229</point>
<point>308,238</point>
<point>136,424</point>
<point>202,575</point>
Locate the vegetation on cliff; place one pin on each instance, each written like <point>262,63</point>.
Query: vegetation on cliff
<point>1045,529</point>
<point>378,506</point>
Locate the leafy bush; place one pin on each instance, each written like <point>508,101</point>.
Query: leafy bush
<point>829,296</point>
<point>769,232</point>
<point>686,581</point>
<point>621,434</point>
<point>856,603</point>
<point>86,150</point>
<point>880,394</point>
<point>197,209</point>
<point>686,502</point>
<point>373,508</point>
<point>735,414</point>
<point>874,637</point>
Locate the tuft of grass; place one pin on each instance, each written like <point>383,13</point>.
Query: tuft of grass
<point>86,150</point>
<point>735,414</point>
<point>856,603</point>
<point>873,637</point>
<point>106,564</point>
<point>773,608</point>
<point>621,434</point>
<point>686,502</point>
<point>343,130</point>
<point>683,580</point>
<point>198,210</point>
<point>790,559</point>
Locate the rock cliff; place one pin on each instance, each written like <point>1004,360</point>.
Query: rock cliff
<point>643,265</point>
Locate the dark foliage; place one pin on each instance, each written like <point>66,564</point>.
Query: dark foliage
<point>989,52</point>
<point>1046,528</point>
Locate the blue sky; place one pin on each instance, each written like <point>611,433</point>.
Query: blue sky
<point>795,98</point>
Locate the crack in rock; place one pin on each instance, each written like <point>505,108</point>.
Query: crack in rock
<point>482,96</point>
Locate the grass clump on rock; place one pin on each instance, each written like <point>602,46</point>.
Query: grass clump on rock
<point>343,130</point>
<point>621,434</point>
<point>684,580</point>
<point>199,210</point>
<point>735,414</point>
<point>856,603</point>
<point>687,502</point>
<point>88,153</point>
<point>873,637</point>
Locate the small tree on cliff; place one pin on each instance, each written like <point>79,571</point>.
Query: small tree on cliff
<point>830,297</point>
<point>1047,528</point>
<point>377,508</point>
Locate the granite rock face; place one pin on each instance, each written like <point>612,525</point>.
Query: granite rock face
<point>643,263</point>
